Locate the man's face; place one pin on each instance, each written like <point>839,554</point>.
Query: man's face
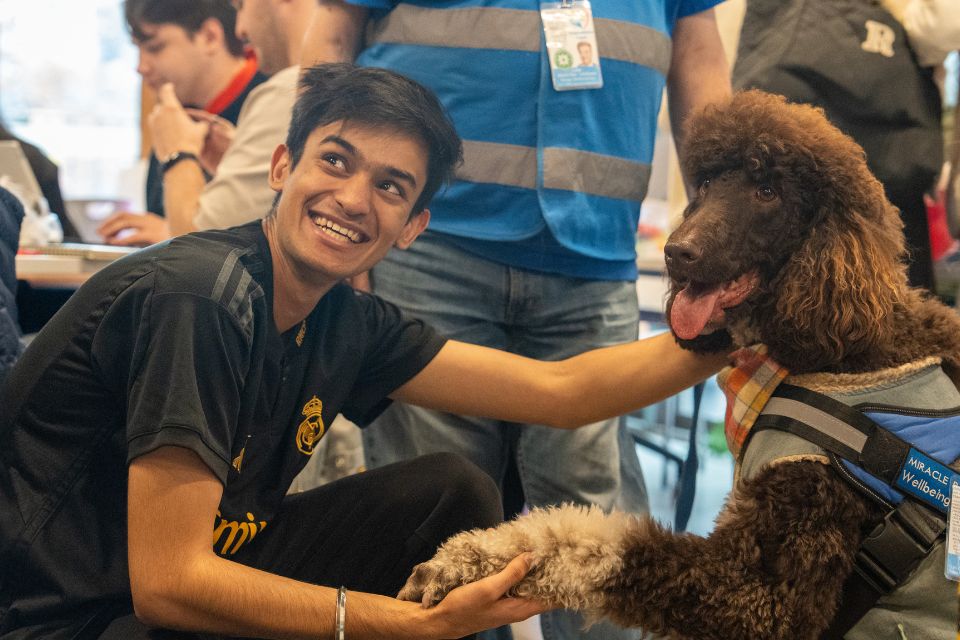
<point>169,54</point>
<point>257,25</point>
<point>347,201</point>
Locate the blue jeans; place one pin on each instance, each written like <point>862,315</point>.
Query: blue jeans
<point>538,315</point>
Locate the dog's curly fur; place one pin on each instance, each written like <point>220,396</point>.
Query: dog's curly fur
<point>787,200</point>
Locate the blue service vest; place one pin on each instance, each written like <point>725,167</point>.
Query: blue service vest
<point>574,162</point>
<point>937,436</point>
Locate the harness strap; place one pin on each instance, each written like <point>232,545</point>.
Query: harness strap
<point>845,431</point>
<point>908,532</point>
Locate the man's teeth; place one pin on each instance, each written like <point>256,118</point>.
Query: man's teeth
<point>332,229</point>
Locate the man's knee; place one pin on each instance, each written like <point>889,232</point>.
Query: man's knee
<point>467,494</point>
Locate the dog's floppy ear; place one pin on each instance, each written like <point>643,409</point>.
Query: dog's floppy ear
<point>841,287</point>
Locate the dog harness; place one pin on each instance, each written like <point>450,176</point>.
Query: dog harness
<point>896,456</point>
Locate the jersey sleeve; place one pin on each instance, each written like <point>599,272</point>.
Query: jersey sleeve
<point>397,348</point>
<point>187,379</point>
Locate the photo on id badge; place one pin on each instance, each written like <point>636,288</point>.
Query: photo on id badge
<point>571,45</point>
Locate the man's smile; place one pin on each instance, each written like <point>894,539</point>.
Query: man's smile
<point>337,231</point>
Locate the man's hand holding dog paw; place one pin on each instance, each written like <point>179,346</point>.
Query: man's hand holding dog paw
<point>480,605</point>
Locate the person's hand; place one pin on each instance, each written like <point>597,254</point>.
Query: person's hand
<point>134,229</point>
<point>219,137</point>
<point>172,129</point>
<point>484,604</point>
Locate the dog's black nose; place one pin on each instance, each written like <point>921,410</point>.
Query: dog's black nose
<point>683,253</point>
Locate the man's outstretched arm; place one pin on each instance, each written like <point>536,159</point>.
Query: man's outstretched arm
<point>599,384</point>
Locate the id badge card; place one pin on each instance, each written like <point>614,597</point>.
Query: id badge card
<point>952,568</point>
<point>571,45</point>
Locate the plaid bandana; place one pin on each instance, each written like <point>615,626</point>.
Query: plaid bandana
<point>748,386</point>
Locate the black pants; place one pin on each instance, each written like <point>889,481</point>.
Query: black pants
<point>916,231</point>
<point>365,532</point>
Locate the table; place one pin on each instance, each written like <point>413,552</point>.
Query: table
<point>65,265</point>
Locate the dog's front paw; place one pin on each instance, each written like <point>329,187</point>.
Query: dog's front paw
<point>430,582</point>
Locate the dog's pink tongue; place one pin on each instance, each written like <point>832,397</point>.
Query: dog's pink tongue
<point>689,314</point>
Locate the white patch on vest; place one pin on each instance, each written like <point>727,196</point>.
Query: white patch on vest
<point>880,38</point>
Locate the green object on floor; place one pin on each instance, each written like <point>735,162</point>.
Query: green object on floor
<point>716,440</point>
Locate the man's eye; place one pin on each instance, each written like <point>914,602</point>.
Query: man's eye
<point>391,187</point>
<point>334,160</point>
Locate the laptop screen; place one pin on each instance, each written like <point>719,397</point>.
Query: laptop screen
<point>87,215</point>
<point>17,175</point>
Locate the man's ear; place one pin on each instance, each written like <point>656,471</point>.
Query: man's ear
<point>211,34</point>
<point>279,167</point>
<point>414,227</point>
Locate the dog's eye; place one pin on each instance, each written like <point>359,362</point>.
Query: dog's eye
<point>702,190</point>
<point>766,193</point>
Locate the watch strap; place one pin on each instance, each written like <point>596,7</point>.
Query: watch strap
<point>175,157</point>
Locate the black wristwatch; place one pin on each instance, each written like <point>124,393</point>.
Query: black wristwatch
<point>176,157</point>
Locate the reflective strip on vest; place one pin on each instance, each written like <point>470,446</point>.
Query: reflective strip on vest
<point>508,164</point>
<point>513,29</point>
<point>594,173</point>
<point>564,169</point>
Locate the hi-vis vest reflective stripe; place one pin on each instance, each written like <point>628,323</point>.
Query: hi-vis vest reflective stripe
<point>567,169</point>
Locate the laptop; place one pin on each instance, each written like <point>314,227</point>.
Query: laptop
<point>17,175</point>
<point>86,216</point>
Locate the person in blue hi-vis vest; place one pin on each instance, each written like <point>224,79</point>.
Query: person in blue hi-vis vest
<point>532,249</point>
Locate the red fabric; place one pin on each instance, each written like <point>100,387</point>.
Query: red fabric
<point>940,238</point>
<point>236,86</point>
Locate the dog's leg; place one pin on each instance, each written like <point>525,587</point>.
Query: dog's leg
<point>576,551</point>
<point>772,569</point>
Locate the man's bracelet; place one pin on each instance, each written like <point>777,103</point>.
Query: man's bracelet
<point>176,157</point>
<point>339,633</point>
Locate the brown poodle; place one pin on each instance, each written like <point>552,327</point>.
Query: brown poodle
<point>789,242</point>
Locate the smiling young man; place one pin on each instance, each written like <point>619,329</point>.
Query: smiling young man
<point>187,385</point>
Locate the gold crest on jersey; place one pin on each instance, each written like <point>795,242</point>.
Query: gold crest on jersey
<point>312,428</point>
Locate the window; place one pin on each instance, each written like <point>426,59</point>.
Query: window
<point>68,84</point>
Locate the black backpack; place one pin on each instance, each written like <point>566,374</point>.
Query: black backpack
<point>852,58</point>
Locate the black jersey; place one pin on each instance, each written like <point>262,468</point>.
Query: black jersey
<point>175,345</point>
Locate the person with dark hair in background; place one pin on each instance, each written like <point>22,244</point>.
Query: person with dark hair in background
<point>184,387</point>
<point>193,45</point>
<point>190,54</point>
